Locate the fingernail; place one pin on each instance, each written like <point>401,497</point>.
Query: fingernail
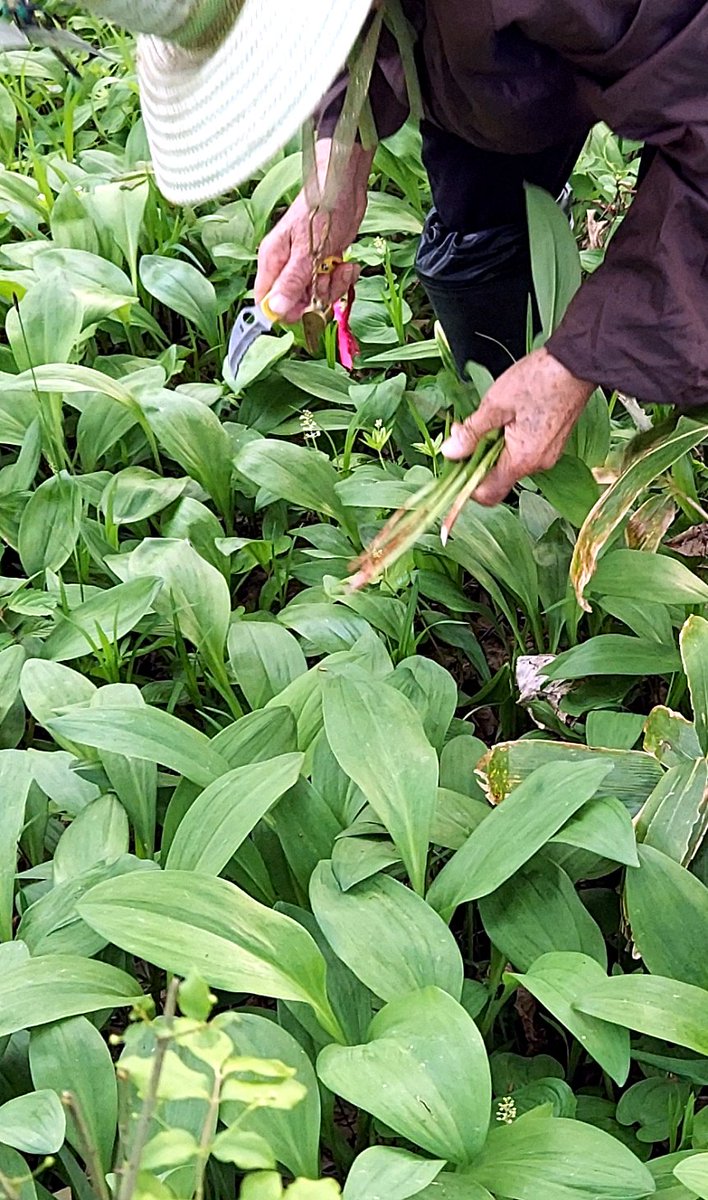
<point>278,303</point>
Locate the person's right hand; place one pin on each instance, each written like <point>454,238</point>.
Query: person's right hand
<point>284,261</point>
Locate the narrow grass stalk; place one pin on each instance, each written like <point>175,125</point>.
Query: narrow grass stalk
<point>446,495</point>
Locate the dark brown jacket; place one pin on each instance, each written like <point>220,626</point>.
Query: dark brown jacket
<point>522,75</point>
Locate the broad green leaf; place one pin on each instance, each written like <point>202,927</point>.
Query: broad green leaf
<point>555,262</point>
<point>183,288</point>
<point>617,501</point>
<point>536,911</point>
<point>668,1186</point>
<point>11,663</point>
<point>134,780</point>
<point>14,1166</point>
<point>307,829</point>
<point>454,1187</point>
<point>54,986</point>
<point>118,213</point>
<point>293,1134</point>
<point>497,548</point>
<point>557,980</point>
<point>693,1173</point>
<point>604,827</point>
<point>559,1159</point>
<point>50,524</point>
<point>186,922</point>
<point>667,908</point>
<point>651,1004</point>
<point>387,935</point>
<point>33,1123</point>
<point>49,687</point>
<point>456,816</point>
<point>417,1045</point>
<point>15,781</point>
<point>301,476</point>
<point>432,692</point>
<point>614,730</point>
<point>134,494</point>
<point>106,617</point>
<point>71,1056</point>
<point>144,733</point>
<point>98,835</point>
<point>46,325</point>
<point>398,774</point>
<point>633,573</point>
<point>614,654</point>
<point>195,438</point>
<point>390,1173</point>
<point>674,818</point>
<point>226,812</point>
<point>264,658</point>
<point>515,831</point>
<point>694,652</point>
<point>193,593</point>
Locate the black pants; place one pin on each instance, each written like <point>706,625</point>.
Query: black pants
<point>473,258</point>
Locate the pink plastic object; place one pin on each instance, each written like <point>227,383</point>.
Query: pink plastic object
<point>347,345</point>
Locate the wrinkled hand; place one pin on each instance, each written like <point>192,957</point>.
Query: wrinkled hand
<point>536,402</point>
<point>284,259</point>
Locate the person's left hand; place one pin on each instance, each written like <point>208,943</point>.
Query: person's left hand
<point>536,402</point>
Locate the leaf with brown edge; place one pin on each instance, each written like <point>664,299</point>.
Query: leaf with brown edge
<point>612,508</point>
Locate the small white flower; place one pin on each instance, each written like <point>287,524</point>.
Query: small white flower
<point>506,1110</point>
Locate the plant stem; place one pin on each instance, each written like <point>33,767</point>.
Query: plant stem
<point>88,1146</point>
<point>142,1129</point>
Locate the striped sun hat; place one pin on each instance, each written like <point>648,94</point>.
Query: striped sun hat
<point>224,84</point>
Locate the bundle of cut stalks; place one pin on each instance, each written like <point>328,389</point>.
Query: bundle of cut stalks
<point>446,495</point>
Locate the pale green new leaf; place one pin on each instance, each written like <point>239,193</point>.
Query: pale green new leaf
<point>264,658</point>
<point>15,781</point>
<point>33,1123</point>
<point>390,1173</point>
<point>694,652</point>
<point>693,1173</point>
<point>50,524</point>
<point>662,1008</point>
<point>109,615</point>
<point>180,286</point>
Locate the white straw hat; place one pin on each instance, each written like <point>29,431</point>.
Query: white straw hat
<point>224,84</point>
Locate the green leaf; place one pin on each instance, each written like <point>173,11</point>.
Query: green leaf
<point>557,980</point>
<point>433,693</point>
<point>54,986</point>
<point>144,733</point>
<point>71,1056</point>
<point>98,834</point>
<point>47,324</point>
<point>15,781</point>
<point>194,593</point>
<point>183,288</point>
<point>693,1173</point>
<point>135,494</point>
<point>515,831</point>
<point>614,654</point>
<point>662,1008</point>
<point>667,908</point>
<point>14,1166</point>
<point>134,780</point>
<point>417,1045</point>
<point>293,1134</point>
<point>674,818</point>
<point>50,524</point>
<point>33,1123</point>
<point>398,775</point>
<point>387,935</point>
<point>264,658</point>
<point>633,573</point>
<point>604,827</point>
<point>227,810</point>
<point>247,1151</point>
<point>390,1173</point>
<point>536,911</point>
<point>301,476</point>
<point>195,438</point>
<point>633,776</point>
<point>559,1159</point>
<point>616,502</point>
<point>184,922</point>
<point>107,616</point>
<point>694,652</point>
<point>555,262</point>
